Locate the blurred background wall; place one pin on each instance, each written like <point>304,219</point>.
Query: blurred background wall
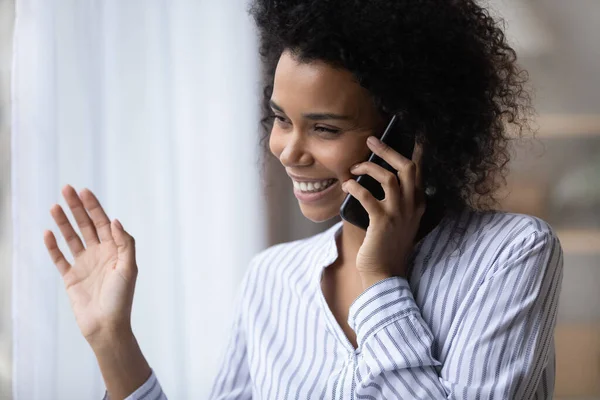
<point>6,27</point>
<point>556,177</point>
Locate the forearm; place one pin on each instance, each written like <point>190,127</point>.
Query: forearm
<point>122,364</point>
<point>395,358</point>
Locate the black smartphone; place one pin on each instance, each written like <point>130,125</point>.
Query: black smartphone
<point>398,139</point>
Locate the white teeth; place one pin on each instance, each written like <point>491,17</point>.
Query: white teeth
<point>313,186</point>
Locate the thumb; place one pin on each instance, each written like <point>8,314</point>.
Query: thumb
<point>125,243</point>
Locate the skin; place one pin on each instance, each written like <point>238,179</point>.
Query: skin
<point>328,147</point>
<point>307,147</point>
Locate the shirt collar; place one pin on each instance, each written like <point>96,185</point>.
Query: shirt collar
<point>327,246</point>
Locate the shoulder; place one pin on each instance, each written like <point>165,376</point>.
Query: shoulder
<point>519,239</point>
<point>493,232</point>
<point>508,229</point>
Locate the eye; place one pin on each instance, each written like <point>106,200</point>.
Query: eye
<point>327,130</point>
<point>278,118</point>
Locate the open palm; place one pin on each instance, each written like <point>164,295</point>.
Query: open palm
<point>101,282</point>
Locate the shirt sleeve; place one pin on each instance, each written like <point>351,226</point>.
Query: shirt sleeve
<point>499,348</point>
<point>150,390</point>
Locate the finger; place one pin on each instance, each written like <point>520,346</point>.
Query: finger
<point>99,217</point>
<point>368,201</point>
<point>391,156</point>
<point>125,248</point>
<point>388,180</point>
<point>405,167</point>
<point>407,182</point>
<point>71,237</point>
<point>56,255</point>
<point>86,226</point>
<point>417,158</point>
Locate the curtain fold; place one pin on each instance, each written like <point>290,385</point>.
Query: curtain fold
<point>153,105</point>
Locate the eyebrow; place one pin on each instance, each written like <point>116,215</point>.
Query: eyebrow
<point>312,116</point>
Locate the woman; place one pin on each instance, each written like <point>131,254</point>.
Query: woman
<point>442,296</point>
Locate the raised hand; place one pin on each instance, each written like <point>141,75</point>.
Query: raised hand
<point>101,281</point>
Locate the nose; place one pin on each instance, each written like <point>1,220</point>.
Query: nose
<point>295,152</point>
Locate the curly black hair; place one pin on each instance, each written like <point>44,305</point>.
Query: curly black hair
<point>444,65</point>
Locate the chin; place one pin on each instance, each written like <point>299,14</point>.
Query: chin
<point>315,214</point>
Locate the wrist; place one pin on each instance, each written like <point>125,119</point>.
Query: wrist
<point>112,337</point>
<point>368,279</point>
<point>122,363</point>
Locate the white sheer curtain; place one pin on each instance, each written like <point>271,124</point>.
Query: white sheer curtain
<point>153,105</point>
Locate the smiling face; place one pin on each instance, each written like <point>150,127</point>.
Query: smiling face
<point>322,120</point>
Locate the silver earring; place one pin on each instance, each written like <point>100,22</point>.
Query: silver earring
<point>430,190</point>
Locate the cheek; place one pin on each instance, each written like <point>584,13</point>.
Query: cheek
<point>353,153</point>
<point>341,158</point>
<point>275,143</point>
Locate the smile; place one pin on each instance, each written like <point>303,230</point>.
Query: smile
<point>314,195</point>
<point>313,187</point>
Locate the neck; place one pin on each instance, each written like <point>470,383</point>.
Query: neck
<point>433,215</point>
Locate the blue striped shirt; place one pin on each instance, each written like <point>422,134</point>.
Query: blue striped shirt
<point>474,321</point>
